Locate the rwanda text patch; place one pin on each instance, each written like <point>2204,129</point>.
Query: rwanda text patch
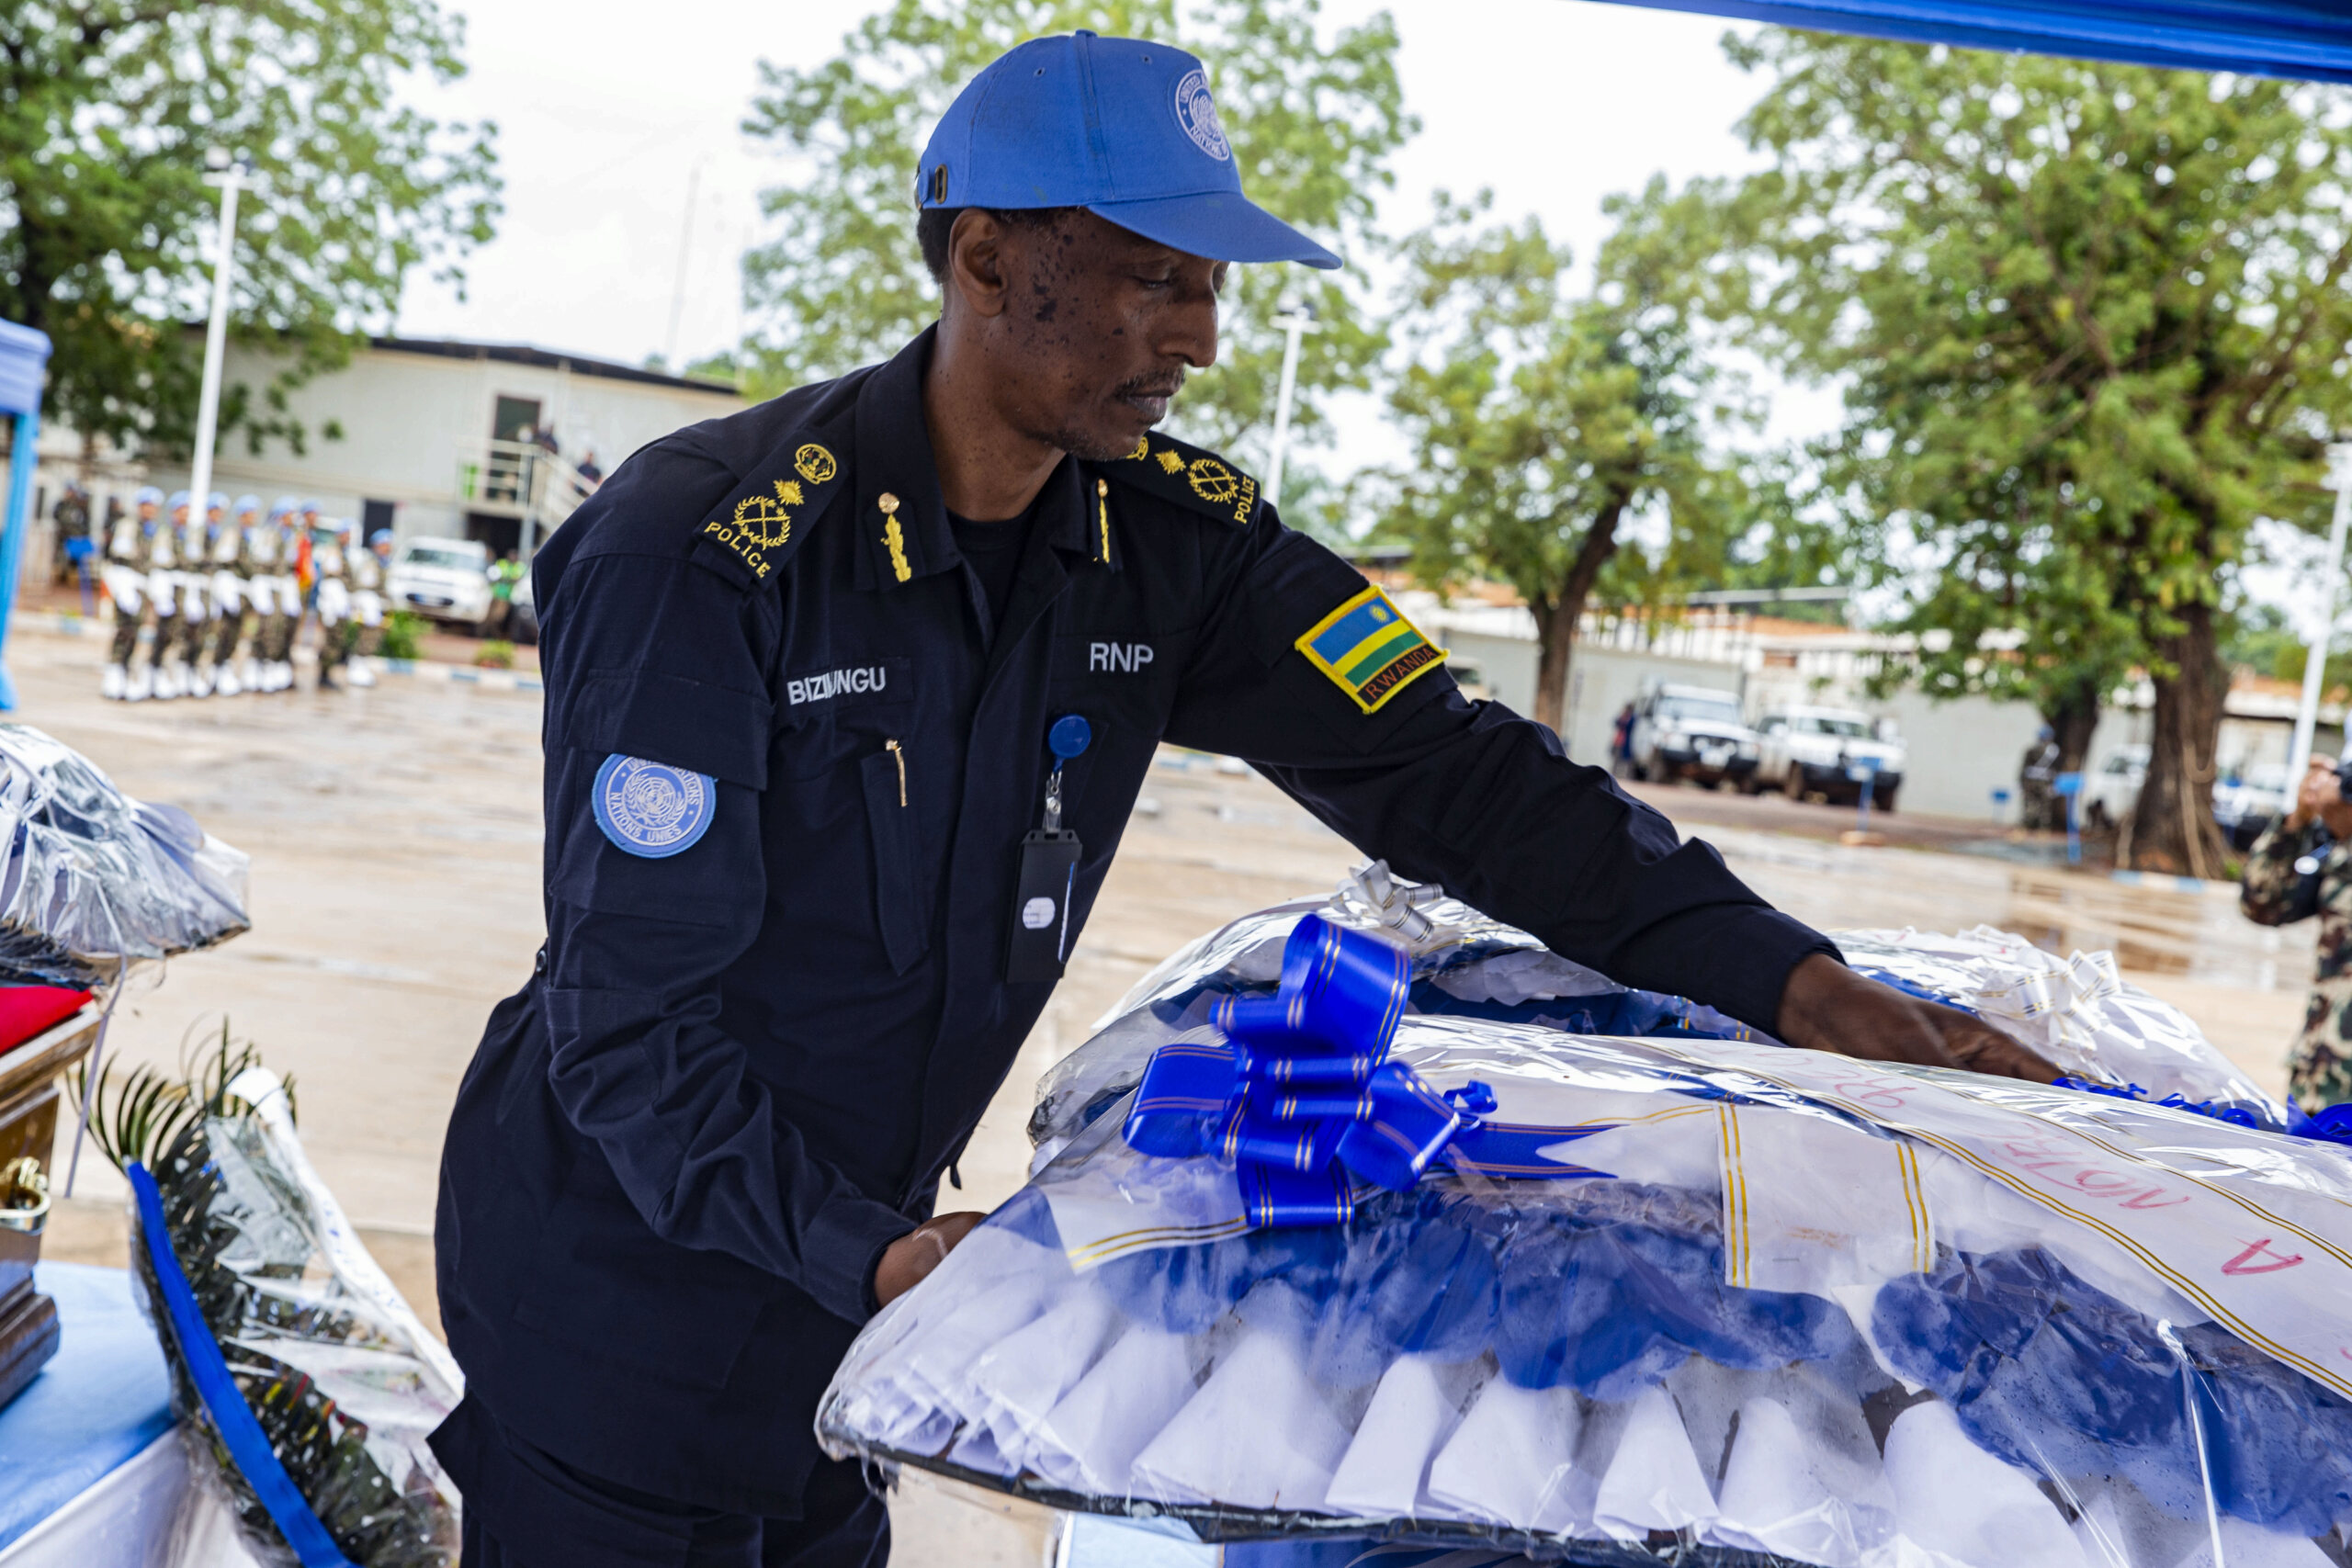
<point>1369,649</point>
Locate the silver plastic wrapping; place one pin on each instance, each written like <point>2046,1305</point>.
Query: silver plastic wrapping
<point>96,881</point>
<point>2077,1012</point>
<point>1806,1307</point>
<point>347,1381</point>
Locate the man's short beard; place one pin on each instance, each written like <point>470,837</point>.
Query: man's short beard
<point>1091,448</point>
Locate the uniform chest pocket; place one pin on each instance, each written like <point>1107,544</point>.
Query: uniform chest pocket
<point>1124,678</point>
<point>900,902</point>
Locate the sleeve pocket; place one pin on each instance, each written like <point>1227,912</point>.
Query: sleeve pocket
<point>670,718</point>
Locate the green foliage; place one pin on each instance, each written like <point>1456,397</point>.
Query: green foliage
<point>402,630</point>
<point>2090,321</point>
<point>108,109</point>
<point>1541,418</point>
<point>139,1111</point>
<point>842,283</point>
<point>495,654</point>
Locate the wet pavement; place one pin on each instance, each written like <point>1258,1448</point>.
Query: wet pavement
<point>395,843</point>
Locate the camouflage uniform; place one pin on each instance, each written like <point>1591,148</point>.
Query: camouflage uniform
<point>2319,1071</point>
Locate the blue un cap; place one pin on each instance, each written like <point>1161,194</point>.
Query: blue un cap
<point>1122,127</point>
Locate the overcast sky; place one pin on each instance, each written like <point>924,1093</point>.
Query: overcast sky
<point>604,118</point>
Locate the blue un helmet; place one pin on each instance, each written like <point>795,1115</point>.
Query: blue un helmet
<point>147,495</point>
<point>179,500</point>
<point>246,506</point>
<point>1122,127</point>
<point>381,541</point>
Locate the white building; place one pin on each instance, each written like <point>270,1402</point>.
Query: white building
<point>427,437</point>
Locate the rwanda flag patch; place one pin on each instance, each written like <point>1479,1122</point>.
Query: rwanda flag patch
<point>1369,649</point>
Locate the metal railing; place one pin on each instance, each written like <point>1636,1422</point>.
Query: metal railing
<point>539,487</point>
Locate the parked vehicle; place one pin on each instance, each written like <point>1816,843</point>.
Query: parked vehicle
<point>2111,791</point>
<point>2245,804</point>
<point>1691,732</point>
<point>1834,754</point>
<point>443,579</point>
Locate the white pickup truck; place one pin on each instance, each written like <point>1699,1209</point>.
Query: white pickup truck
<point>1834,754</point>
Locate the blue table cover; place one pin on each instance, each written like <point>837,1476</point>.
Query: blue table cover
<point>102,1399</point>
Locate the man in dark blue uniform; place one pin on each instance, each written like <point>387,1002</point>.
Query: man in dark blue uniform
<point>806,673</point>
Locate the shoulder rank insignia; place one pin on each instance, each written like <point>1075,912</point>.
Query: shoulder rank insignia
<point>754,527</point>
<point>1369,649</point>
<point>1189,477</point>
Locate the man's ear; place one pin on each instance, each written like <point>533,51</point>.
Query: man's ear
<point>975,263</point>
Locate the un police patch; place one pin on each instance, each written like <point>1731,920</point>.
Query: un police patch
<point>651,808</point>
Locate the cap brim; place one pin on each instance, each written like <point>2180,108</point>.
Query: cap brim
<point>1221,225</point>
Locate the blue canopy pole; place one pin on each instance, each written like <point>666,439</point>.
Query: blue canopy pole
<point>24,358</point>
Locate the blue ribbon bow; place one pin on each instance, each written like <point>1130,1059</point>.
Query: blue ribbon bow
<point>1303,1099</point>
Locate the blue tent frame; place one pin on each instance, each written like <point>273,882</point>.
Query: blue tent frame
<point>24,365</point>
<point>2300,39</point>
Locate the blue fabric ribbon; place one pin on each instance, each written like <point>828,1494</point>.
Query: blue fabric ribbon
<point>1303,1099</point>
<point>241,1433</point>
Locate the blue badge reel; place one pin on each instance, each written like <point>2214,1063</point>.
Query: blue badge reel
<point>652,809</point>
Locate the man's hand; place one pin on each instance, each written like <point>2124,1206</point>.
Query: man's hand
<point>1827,1007</point>
<point>907,1260</point>
<point>2322,796</point>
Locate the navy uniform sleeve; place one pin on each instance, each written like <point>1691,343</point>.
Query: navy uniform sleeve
<point>666,660</point>
<point>1371,734</point>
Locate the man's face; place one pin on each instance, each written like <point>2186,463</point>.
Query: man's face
<point>147,513</point>
<point>1098,328</point>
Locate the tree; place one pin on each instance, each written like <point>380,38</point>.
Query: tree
<point>1543,418</point>
<point>842,284</point>
<point>108,109</point>
<point>2090,320</point>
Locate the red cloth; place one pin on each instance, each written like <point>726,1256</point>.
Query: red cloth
<point>29,1010</point>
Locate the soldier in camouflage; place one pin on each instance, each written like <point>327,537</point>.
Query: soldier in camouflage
<point>2302,866</point>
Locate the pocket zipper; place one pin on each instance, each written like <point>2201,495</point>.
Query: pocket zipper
<point>898,753</point>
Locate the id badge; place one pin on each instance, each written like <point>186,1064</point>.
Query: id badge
<point>1040,942</point>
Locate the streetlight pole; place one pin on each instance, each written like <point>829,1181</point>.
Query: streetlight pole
<point>2299,751</point>
<point>229,174</point>
<point>1298,320</point>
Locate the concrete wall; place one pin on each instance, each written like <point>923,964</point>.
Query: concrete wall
<point>1960,752</point>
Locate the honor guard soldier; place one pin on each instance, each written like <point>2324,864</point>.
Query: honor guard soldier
<point>130,550</point>
<point>274,550</point>
<point>197,605</point>
<point>849,697</point>
<point>331,572</point>
<point>232,572</point>
<point>163,679</point>
<point>366,629</point>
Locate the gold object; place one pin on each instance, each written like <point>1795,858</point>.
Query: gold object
<point>1103,512</point>
<point>893,537</point>
<point>815,464</point>
<point>1172,463</point>
<point>898,753</point>
<point>23,1196</point>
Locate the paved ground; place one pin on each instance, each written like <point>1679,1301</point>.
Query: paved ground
<point>395,840</point>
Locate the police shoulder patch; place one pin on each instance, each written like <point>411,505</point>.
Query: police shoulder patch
<point>652,809</point>
<point>757,527</point>
<point>1369,649</point>
<point>1186,475</point>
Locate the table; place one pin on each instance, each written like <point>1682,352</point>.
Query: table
<point>93,1474</point>
<point>1091,1541</point>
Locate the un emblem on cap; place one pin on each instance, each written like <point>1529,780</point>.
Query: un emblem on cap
<point>1196,112</point>
<point>651,809</point>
